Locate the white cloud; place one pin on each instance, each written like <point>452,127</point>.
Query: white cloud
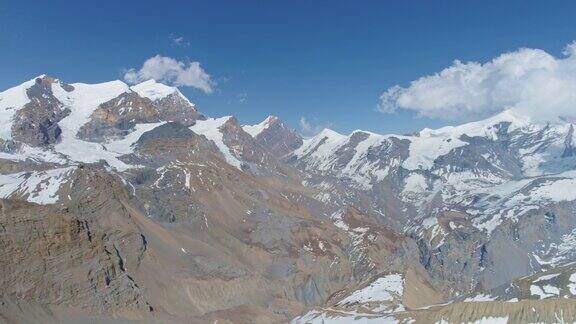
<point>310,129</point>
<point>529,81</point>
<point>170,71</point>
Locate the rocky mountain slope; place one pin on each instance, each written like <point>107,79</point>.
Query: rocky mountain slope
<point>125,203</point>
<point>476,194</point>
<point>545,297</point>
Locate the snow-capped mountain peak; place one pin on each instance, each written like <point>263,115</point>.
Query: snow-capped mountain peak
<point>153,90</point>
<point>273,134</point>
<point>459,202</point>
<point>255,130</point>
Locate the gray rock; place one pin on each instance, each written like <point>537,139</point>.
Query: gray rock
<point>36,123</point>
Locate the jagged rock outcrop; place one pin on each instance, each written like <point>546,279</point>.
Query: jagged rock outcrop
<point>37,122</point>
<point>148,102</point>
<point>277,137</point>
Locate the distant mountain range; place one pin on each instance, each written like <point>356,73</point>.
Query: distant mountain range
<point>124,203</point>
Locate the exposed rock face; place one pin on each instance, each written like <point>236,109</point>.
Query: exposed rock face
<point>37,122</point>
<point>169,131</point>
<point>168,152</point>
<point>464,245</point>
<point>57,256</point>
<point>243,146</point>
<point>118,116</point>
<point>175,107</point>
<point>276,136</point>
<point>569,149</point>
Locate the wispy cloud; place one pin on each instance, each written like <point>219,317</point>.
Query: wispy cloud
<point>309,128</point>
<point>242,97</point>
<point>173,72</point>
<point>529,81</point>
<point>179,41</point>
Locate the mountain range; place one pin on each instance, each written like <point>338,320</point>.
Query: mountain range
<point>125,203</point>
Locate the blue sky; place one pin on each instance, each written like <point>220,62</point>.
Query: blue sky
<point>326,61</point>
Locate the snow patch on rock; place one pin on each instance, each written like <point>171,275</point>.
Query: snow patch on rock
<point>384,289</point>
<point>39,187</point>
<point>125,145</point>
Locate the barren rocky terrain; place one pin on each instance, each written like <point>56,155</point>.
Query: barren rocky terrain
<point>127,204</point>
